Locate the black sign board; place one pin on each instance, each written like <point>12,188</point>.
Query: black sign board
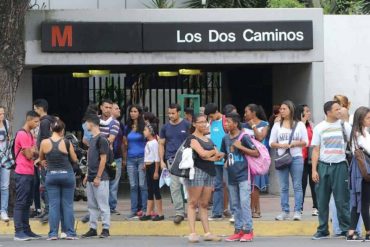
<point>176,36</point>
<point>91,37</point>
<point>228,36</point>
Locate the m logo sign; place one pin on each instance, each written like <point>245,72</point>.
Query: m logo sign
<point>59,38</point>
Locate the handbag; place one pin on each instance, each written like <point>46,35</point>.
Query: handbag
<point>174,166</point>
<point>363,161</point>
<point>284,160</point>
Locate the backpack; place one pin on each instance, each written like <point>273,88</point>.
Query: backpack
<point>257,166</point>
<point>8,157</point>
<point>110,166</point>
<point>223,123</point>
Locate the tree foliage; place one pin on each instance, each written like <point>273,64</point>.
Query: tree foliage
<point>227,4</point>
<point>161,4</point>
<point>285,4</point>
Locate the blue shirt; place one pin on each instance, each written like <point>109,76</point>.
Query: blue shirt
<point>174,135</point>
<point>217,133</point>
<point>238,170</point>
<point>135,145</point>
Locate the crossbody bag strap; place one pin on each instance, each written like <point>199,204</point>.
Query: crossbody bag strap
<point>292,134</point>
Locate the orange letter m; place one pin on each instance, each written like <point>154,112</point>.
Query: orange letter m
<point>58,38</point>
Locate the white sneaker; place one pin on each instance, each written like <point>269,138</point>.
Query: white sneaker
<point>282,216</point>
<point>232,219</point>
<point>315,212</point>
<point>63,235</point>
<point>297,216</point>
<point>4,217</point>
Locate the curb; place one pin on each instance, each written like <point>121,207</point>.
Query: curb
<point>167,228</point>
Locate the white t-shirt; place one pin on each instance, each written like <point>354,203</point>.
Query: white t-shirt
<point>151,152</point>
<point>329,137</point>
<point>4,137</point>
<point>363,142</point>
<point>281,135</point>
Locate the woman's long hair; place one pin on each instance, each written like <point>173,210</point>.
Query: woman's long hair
<point>299,113</point>
<point>140,120</point>
<point>291,108</point>
<point>258,109</point>
<point>357,127</point>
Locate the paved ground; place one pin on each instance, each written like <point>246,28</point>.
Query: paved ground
<point>175,242</point>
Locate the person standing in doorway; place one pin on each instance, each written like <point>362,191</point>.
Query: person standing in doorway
<point>359,176</point>
<point>97,180</point>
<point>26,151</point>
<point>172,135</point>
<point>303,114</point>
<point>330,168</point>
<point>135,147</point>
<point>257,127</point>
<point>218,131</point>
<point>5,173</point>
<point>200,187</point>
<point>118,150</point>
<point>56,155</point>
<point>288,128</point>
<point>41,106</point>
<point>189,113</point>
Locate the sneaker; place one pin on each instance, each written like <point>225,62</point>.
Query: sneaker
<point>158,218</point>
<point>227,213</point>
<point>145,218</point>
<point>282,216</point>
<point>63,235</point>
<point>140,213</point>
<point>315,212</point>
<point>193,238</point>
<point>211,238</point>
<point>33,235</point>
<point>45,219</point>
<point>354,238</point>
<point>85,218</point>
<point>232,220</point>
<point>367,238</point>
<point>235,237</point>
<point>247,237</point>
<point>215,218</point>
<point>71,238</point>
<point>52,239</point>
<point>114,211</point>
<point>22,237</point>
<point>39,215</point>
<point>297,216</point>
<point>256,215</point>
<point>90,233</point>
<point>4,217</point>
<point>133,216</point>
<point>178,219</point>
<point>340,235</point>
<point>104,233</point>
<point>320,235</point>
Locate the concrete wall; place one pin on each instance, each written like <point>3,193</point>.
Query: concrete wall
<point>34,56</point>
<point>347,58</point>
<point>23,101</point>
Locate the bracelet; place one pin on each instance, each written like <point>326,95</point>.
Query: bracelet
<point>98,177</point>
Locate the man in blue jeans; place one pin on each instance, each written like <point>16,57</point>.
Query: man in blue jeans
<point>25,152</point>
<point>218,131</point>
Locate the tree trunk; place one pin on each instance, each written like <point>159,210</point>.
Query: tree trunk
<point>12,52</point>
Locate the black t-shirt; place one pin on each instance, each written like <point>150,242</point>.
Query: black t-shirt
<point>93,157</point>
<point>204,165</point>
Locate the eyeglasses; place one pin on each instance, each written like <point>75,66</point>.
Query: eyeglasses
<point>202,122</point>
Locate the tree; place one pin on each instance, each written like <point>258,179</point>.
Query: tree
<point>285,4</point>
<point>227,4</point>
<point>12,52</point>
<point>161,4</point>
<point>345,7</point>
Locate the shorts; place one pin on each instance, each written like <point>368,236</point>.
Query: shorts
<point>201,179</point>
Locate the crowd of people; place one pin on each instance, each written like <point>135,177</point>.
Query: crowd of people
<point>330,157</point>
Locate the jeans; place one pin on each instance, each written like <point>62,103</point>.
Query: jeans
<point>335,221</point>
<point>137,177</point>
<point>98,204</point>
<point>23,201</point>
<point>218,194</point>
<point>45,193</point>
<point>4,184</point>
<point>296,170</point>
<point>36,190</point>
<point>114,185</point>
<point>240,195</point>
<point>61,188</point>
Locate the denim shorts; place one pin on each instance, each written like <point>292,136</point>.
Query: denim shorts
<point>201,179</point>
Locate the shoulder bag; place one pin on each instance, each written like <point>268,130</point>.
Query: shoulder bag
<point>284,160</point>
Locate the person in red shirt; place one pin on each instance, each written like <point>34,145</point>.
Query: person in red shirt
<point>304,114</point>
<point>25,151</point>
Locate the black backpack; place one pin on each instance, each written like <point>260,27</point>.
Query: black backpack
<point>110,166</point>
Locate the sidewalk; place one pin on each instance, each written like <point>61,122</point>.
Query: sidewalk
<point>265,226</point>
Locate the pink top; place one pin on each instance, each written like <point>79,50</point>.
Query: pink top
<point>23,140</point>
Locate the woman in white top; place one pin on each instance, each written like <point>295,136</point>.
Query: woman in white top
<point>4,172</point>
<point>359,175</point>
<point>279,139</point>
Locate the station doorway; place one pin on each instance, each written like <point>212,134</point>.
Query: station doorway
<point>68,97</point>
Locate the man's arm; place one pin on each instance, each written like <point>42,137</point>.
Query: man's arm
<point>162,143</point>
<point>315,161</point>
<point>103,161</point>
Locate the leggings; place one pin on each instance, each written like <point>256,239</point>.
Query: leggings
<point>365,203</point>
<point>153,185</point>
